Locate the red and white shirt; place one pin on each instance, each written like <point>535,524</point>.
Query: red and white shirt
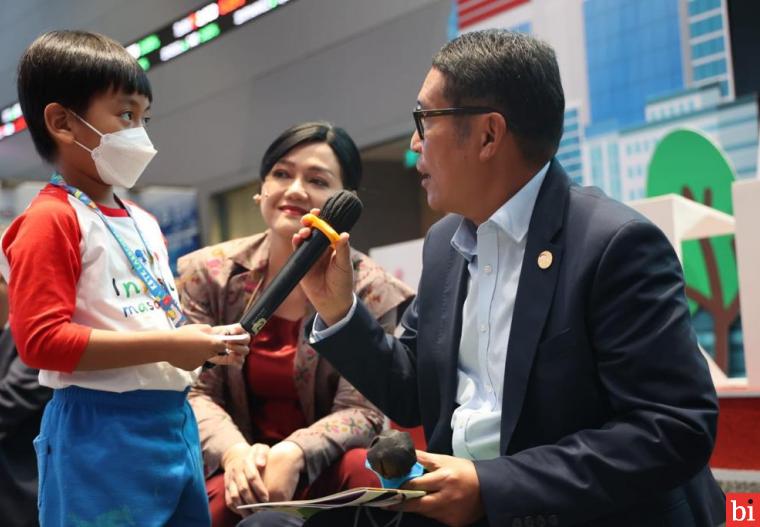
<point>67,275</point>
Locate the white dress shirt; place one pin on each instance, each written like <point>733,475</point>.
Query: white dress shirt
<point>494,252</point>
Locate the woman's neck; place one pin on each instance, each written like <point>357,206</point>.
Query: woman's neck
<point>280,250</point>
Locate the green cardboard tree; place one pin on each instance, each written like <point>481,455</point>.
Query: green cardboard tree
<point>686,162</point>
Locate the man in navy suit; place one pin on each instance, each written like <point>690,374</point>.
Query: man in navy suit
<point>549,354</point>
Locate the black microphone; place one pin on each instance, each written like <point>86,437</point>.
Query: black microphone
<point>341,212</point>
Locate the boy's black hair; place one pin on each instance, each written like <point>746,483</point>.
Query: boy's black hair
<point>336,138</point>
<point>70,68</point>
<point>514,73</point>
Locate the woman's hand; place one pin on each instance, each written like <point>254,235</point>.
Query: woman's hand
<point>243,465</point>
<point>283,470</point>
<point>329,284</point>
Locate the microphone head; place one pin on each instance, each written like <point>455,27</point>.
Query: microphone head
<point>342,210</point>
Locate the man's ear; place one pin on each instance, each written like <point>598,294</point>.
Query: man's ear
<point>493,133</point>
<point>58,123</point>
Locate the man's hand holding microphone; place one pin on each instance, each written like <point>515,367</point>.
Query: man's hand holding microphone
<point>329,284</point>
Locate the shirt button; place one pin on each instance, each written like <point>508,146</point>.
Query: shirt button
<point>487,269</point>
<point>483,328</point>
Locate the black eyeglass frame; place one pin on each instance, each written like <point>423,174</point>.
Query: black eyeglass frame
<point>419,114</point>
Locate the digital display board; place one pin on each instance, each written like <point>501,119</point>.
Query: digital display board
<point>169,42</point>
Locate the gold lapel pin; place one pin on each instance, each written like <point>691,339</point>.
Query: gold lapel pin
<point>545,259</point>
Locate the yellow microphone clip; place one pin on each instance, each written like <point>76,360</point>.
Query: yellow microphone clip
<point>318,223</point>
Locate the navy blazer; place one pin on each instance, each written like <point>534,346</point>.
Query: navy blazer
<point>609,412</point>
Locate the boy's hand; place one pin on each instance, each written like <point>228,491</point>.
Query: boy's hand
<point>329,284</point>
<point>194,344</point>
<point>237,348</point>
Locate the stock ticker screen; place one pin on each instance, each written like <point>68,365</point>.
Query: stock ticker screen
<point>192,30</point>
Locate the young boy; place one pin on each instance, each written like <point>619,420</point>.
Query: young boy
<point>93,303</point>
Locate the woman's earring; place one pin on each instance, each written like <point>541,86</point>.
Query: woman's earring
<point>257,198</point>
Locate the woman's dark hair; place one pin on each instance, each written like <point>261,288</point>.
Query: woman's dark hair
<point>511,72</point>
<point>337,138</point>
<point>70,68</point>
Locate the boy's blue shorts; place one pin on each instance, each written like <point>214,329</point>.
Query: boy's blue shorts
<point>120,459</point>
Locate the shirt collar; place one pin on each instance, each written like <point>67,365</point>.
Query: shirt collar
<point>513,217</point>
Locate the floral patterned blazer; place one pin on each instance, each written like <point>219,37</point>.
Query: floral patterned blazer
<point>216,284</point>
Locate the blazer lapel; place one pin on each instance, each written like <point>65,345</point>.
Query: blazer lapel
<point>535,292</point>
<point>242,288</point>
<point>450,331</point>
<point>305,371</point>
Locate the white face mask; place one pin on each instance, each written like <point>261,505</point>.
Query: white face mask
<point>121,156</point>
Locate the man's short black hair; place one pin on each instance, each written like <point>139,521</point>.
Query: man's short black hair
<point>70,68</point>
<point>336,138</point>
<point>514,73</point>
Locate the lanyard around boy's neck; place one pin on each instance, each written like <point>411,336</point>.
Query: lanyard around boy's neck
<point>158,292</point>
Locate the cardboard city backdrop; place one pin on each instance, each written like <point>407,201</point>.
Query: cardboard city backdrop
<point>658,102</point>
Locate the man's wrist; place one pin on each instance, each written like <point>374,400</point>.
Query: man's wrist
<point>334,316</point>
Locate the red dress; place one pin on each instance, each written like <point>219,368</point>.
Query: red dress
<point>275,407</point>
<point>276,412</point>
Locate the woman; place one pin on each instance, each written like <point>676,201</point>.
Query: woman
<point>285,425</point>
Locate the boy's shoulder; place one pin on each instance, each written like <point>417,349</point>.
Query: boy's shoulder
<point>49,211</point>
<point>49,217</point>
<point>51,200</point>
<point>50,207</point>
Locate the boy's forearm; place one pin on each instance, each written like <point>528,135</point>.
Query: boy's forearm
<point>115,349</point>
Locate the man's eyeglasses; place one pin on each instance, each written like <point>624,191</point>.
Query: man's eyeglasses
<point>420,114</point>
